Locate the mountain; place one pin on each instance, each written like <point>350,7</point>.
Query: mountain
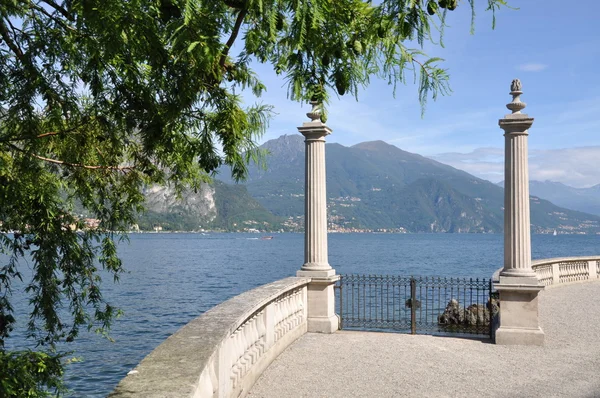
<point>582,199</point>
<point>374,185</point>
<point>214,206</point>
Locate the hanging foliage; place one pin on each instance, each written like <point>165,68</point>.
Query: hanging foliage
<point>99,98</point>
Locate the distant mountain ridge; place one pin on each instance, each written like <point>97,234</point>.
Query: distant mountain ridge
<point>375,185</point>
<point>582,199</point>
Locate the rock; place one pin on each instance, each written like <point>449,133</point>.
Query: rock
<point>474,315</point>
<point>454,314</point>
<point>477,314</point>
<point>493,305</point>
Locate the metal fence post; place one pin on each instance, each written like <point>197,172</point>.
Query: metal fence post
<point>341,302</point>
<point>491,309</point>
<point>413,307</point>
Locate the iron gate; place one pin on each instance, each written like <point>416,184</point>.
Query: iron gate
<point>431,305</point>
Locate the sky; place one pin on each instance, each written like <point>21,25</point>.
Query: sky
<point>553,48</point>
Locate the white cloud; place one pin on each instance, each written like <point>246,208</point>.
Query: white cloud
<point>578,167</point>
<point>533,67</point>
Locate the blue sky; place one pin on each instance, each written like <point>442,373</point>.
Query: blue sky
<point>553,48</point>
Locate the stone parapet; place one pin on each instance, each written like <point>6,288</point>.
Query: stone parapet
<point>518,295</point>
<point>225,350</point>
<point>553,272</point>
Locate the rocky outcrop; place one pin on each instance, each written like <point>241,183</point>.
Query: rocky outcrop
<point>477,314</point>
<point>454,314</point>
<point>200,203</point>
<point>473,315</point>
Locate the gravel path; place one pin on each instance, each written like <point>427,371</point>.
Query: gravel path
<point>361,364</point>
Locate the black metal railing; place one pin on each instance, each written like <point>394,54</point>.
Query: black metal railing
<point>431,305</point>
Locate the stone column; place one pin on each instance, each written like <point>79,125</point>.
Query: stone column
<point>518,285</point>
<point>321,298</point>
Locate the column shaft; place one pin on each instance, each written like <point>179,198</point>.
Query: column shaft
<point>517,235</point>
<point>315,238</point>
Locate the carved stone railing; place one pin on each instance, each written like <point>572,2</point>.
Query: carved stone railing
<point>225,350</point>
<point>561,270</point>
<point>556,271</point>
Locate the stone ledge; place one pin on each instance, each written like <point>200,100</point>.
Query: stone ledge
<point>518,287</point>
<point>175,367</point>
<point>519,336</point>
<point>589,280</point>
<point>545,261</point>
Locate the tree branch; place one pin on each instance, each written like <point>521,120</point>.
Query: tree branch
<point>234,34</point>
<point>422,67</point>
<point>47,134</point>
<point>9,42</point>
<point>52,17</point>
<point>60,9</point>
<point>79,165</point>
<point>83,166</point>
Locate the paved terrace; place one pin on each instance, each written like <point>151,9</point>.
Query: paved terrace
<point>361,364</point>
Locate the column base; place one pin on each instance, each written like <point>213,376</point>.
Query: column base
<point>321,317</point>
<point>323,325</point>
<point>316,273</point>
<point>519,273</point>
<point>515,336</point>
<point>519,323</point>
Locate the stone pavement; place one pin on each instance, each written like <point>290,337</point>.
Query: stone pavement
<point>364,364</point>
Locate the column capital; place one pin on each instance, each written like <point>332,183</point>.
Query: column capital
<point>516,124</point>
<point>314,131</point>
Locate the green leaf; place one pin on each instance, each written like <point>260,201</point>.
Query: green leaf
<point>192,46</point>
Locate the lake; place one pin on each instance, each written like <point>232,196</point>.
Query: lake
<point>173,278</point>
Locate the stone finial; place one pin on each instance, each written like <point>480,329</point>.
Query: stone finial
<point>516,85</point>
<point>516,106</point>
<point>315,113</point>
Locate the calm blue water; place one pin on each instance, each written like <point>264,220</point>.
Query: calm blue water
<point>172,278</point>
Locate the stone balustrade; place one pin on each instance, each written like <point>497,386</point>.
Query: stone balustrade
<point>556,271</point>
<point>224,351</point>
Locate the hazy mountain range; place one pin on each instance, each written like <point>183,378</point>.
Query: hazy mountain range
<point>370,186</point>
<point>581,199</point>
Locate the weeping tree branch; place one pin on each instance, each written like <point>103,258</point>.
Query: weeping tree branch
<point>60,9</point>
<point>46,13</point>
<point>79,165</point>
<point>423,68</point>
<point>43,135</point>
<point>234,34</point>
<point>9,41</point>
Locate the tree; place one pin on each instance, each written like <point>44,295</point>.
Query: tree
<point>100,97</point>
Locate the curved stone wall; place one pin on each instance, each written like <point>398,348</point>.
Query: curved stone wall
<point>561,270</point>
<point>224,351</point>
<point>557,271</point>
